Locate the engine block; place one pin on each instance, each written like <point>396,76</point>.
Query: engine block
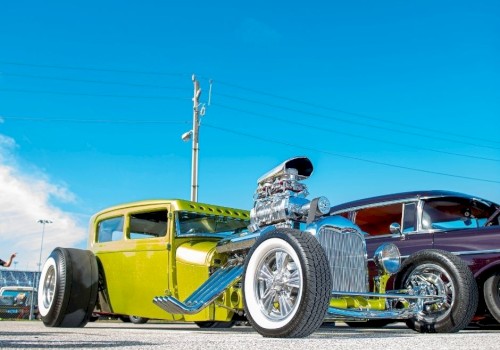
<point>280,198</point>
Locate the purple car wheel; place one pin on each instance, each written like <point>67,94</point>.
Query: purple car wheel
<point>440,273</point>
<point>491,292</point>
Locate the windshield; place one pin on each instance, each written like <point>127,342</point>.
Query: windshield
<point>189,223</point>
<point>455,213</point>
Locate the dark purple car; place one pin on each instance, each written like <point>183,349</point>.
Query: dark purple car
<point>464,225</point>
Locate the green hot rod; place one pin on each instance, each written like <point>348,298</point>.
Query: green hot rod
<point>285,267</point>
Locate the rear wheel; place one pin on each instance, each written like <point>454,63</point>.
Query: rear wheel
<point>437,272</point>
<point>138,320</point>
<point>286,284</point>
<point>68,288</point>
<point>491,292</point>
<point>125,319</point>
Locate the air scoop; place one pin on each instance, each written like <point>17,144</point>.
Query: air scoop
<point>302,165</point>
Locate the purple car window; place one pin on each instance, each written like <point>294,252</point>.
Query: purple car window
<point>454,213</point>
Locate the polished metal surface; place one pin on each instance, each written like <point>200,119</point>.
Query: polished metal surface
<point>204,295</point>
<point>279,285</point>
<point>345,248</point>
<point>370,314</point>
<point>346,258</point>
<point>48,288</point>
<point>302,168</point>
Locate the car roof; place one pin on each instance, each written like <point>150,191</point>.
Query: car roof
<point>401,196</point>
<point>178,204</point>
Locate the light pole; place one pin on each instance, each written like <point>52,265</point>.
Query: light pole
<point>193,134</point>
<point>43,222</point>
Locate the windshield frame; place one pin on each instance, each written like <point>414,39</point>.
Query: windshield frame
<point>200,224</point>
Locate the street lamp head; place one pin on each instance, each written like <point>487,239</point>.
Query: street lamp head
<point>187,136</point>
<point>44,221</point>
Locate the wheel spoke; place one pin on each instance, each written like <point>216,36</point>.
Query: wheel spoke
<point>293,280</point>
<point>281,258</point>
<point>265,274</point>
<point>286,305</point>
<point>268,300</point>
<point>268,291</point>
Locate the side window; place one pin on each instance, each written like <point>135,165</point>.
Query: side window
<point>377,220</point>
<point>148,225</point>
<point>345,214</point>
<point>409,217</point>
<point>110,230</point>
<point>454,213</point>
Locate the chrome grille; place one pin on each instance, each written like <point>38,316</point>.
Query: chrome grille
<point>346,252</point>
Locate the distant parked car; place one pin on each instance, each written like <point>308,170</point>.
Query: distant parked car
<point>15,302</point>
<point>464,225</point>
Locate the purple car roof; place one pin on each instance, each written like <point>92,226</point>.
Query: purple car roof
<point>401,197</point>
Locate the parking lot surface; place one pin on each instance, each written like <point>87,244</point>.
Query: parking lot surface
<point>115,334</point>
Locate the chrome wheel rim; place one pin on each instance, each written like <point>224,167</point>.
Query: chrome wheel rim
<point>431,279</point>
<point>279,285</point>
<point>49,287</point>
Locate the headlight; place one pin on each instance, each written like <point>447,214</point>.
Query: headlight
<point>387,258</point>
<point>323,205</point>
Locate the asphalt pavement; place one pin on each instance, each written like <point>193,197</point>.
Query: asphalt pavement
<point>119,335</point>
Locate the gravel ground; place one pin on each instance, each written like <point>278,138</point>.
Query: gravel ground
<point>115,334</point>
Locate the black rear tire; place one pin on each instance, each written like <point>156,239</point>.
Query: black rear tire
<point>491,292</point>
<point>138,319</point>
<point>68,288</point>
<point>440,272</point>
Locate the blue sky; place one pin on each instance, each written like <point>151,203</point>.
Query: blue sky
<point>382,96</point>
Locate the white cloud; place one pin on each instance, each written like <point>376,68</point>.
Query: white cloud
<point>24,199</point>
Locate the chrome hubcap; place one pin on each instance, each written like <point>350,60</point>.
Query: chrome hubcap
<point>279,284</point>
<point>49,287</point>
<point>431,279</point>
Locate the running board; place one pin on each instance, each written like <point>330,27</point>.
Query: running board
<point>204,295</point>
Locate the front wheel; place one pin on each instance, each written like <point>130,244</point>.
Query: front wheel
<point>438,272</point>
<point>286,284</point>
<point>138,319</point>
<point>491,292</point>
<point>68,288</point>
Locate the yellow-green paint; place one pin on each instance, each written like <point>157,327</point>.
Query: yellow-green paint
<point>137,270</point>
<point>380,283</point>
<point>362,303</point>
<point>359,303</point>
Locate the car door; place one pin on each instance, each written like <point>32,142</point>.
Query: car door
<point>133,250</point>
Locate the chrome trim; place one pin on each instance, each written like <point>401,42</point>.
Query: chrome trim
<point>345,248</point>
<point>475,252</point>
<point>302,165</point>
<point>389,295</point>
<point>241,241</point>
<point>204,295</point>
<point>371,314</point>
<point>373,205</point>
<point>414,307</point>
<point>463,252</point>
